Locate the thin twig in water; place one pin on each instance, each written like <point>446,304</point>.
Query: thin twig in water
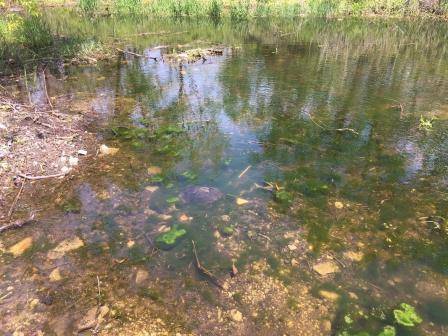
<point>244,171</point>
<point>136,55</point>
<point>13,206</point>
<point>264,236</point>
<point>338,260</point>
<point>99,290</point>
<point>333,129</point>
<point>205,272</point>
<point>28,177</point>
<point>5,296</point>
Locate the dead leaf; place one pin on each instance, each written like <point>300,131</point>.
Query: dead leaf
<point>104,150</point>
<point>241,201</point>
<point>338,205</point>
<point>154,170</point>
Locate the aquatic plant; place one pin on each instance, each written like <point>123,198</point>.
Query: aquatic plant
<point>407,316</point>
<point>172,200</point>
<point>189,175</point>
<point>170,239</point>
<point>388,331</point>
<point>283,196</point>
<point>227,231</point>
<point>425,124</point>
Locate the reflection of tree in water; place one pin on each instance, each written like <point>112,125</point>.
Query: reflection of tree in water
<point>338,89</point>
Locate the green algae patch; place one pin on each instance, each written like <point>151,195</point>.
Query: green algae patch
<point>170,239</point>
<point>407,316</point>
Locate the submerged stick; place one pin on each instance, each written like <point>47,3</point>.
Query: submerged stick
<point>205,272</point>
<point>333,129</point>
<point>28,177</point>
<point>17,224</point>
<point>244,171</point>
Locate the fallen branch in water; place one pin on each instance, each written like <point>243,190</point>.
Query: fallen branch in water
<point>205,272</point>
<point>17,224</point>
<point>27,177</point>
<point>333,129</point>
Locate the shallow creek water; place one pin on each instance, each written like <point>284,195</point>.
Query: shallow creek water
<point>324,114</point>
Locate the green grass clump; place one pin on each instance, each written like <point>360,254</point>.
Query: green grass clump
<point>215,10</point>
<point>130,7</point>
<point>88,6</point>
<point>239,10</point>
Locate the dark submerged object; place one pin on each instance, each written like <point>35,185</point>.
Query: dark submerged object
<point>201,195</point>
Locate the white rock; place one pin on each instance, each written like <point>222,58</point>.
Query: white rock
<point>236,315</point>
<point>104,150</point>
<point>65,170</point>
<point>141,277</point>
<point>82,152</point>
<point>55,275</point>
<point>73,161</point>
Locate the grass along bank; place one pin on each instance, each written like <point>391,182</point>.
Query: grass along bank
<point>246,9</point>
<point>26,39</point>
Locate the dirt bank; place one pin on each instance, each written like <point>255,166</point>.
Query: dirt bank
<point>37,142</point>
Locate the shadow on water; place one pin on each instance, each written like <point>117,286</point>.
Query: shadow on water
<point>332,201</point>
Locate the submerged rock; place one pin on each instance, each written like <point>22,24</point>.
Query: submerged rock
<point>236,315</point>
<point>332,296</point>
<point>104,150</point>
<point>141,277</point>
<point>20,248</point>
<point>354,256</point>
<point>55,275</point>
<point>201,195</point>
<point>64,247</point>
<point>325,268</point>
